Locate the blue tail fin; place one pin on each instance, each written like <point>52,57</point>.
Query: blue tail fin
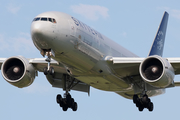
<point>158,44</point>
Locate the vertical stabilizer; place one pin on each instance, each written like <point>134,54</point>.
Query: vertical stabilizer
<point>158,44</point>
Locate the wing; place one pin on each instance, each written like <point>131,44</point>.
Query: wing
<point>124,66</point>
<point>40,63</point>
<point>127,67</point>
<point>59,79</point>
<point>175,62</point>
<point>1,61</point>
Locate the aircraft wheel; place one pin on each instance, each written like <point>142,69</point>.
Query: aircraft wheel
<point>51,71</point>
<point>45,70</point>
<point>141,107</point>
<point>58,98</point>
<point>135,98</point>
<point>68,99</point>
<point>151,106</point>
<point>67,102</point>
<point>145,99</point>
<point>65,107</point>
<point>72,102</point>
<point>74,107</point>
<point>137,104</point>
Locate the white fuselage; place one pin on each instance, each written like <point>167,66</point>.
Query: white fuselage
<point>81,49</point>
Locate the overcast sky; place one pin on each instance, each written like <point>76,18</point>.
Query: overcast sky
<point>133,24</point>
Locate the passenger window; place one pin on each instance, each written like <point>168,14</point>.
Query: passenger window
<point>43,19</point>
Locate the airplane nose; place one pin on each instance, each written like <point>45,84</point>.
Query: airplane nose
<point>40,35</point>
<point>36,29</point>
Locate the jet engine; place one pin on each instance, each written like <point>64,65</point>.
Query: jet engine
<point>157,71</point>
<point>18,71</point>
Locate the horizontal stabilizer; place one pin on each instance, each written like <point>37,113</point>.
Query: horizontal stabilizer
<point>158,44</point>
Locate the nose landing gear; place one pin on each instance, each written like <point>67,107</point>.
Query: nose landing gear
<point>48,69</point>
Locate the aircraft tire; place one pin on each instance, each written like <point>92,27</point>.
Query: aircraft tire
<point>69,100</point>
<point>45,70</point>
<point>141,107</point>
<point>72,102</point>
<point>58,98</point>
<point>135,98</point>
<point>64,107</point>
<point>145,99</point>
<point>51,71</point>
<point>151,106</point>
<point>74,107</point>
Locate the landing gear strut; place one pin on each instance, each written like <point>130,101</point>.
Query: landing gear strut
<point>48,69</point>
<point>68,83</point>
<point>66,102</point>
<point>143,102</point>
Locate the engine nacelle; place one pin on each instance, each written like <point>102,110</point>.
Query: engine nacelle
<point>18,71</point>
<point>157,72</point>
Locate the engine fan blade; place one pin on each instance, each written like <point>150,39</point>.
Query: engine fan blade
<point>153,72</point>
<point>14,72</point>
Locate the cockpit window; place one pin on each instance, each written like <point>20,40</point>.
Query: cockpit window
<point>54,21</point>
<point>50,19</point>
<point>36,19</point>
<point>45,19</point>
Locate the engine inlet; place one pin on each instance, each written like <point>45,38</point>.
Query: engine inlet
<point>13,69</point>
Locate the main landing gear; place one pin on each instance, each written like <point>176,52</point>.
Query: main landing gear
<point>66,102</point>
<point>143,102</point>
